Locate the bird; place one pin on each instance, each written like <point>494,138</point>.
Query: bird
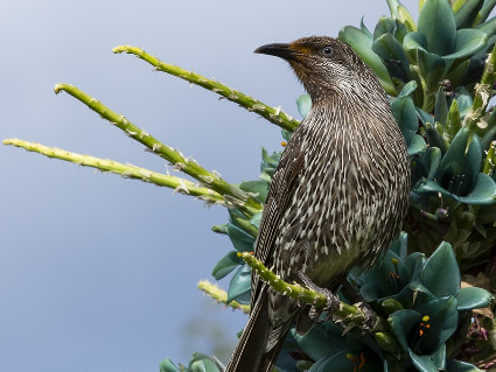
<point>337,198</point>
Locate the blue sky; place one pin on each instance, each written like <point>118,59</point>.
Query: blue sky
<point>98,273</point>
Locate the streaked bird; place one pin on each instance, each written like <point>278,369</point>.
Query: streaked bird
<point>337,198</point>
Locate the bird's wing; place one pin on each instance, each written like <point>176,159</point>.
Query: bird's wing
<point>282,187</point>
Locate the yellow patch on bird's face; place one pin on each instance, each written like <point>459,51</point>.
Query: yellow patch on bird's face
<point>301,48</point>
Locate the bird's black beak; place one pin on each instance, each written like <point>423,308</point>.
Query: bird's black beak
<point>279,50</point>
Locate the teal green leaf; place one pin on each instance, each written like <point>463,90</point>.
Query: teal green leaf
<point>417,144</point>
<point>432,67</point>
<point>441,274</point>
<point>320,341</point>
<point>483,193</point>
<point>393,7</point>
<point>400,245</point>
<point>203,363</point>
<point>439,357</point>
<point>457,73</point>
<point>241,240</point>
<point>486,10</point>
<point>443,323</point>
<point>304,104</point>
<point>459,169</point>
<point>402,323</point>
<point>364,28</point>
<point>425,166</point>
<point>260,188</point>
<point>412,42</point>
<point>424,117</point>
<point>489,27</point>
<point>473,298</point>
<point>408,89</point>
<point>468,42</point>
<point>269,162</point>
<point>406,116</point>
<point>286,134</point>
<point>464,100</point>
<point>459,366</point>
<point>437,22</point>
<point>465,16</point>
<point>441,106</point>
<point>256,219</point>
<point>435,160</point>
<point>226,264</point>
<point>362,45</point>
<point>393,55</point>
<point>167,366</point>
<point>385,25</point>
<point>435,138</point>
<point>423,363</point>
<point>336,363</point>
<point>239,287</point>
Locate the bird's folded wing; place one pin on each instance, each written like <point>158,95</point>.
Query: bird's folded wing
<point>282,188</point>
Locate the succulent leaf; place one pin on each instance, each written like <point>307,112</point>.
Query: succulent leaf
<point>458,366</point>
<point>483,193</point>
<point>441,107</point>
<point>408,89</point>
<point>258,188</point>
<point>365,29</point>
<point>393,55</point>
<point>321,341</point>
<point>473,298</point>
<point>241,240</point>
<point>304,104</point>
<point>362,45</point>
<point>441,274</point>
<point>465,16</point>
<point>203,363</point>
<point>468,42</point>
<point>486,9</point>
<point>429,363</point>
<point>432,68</point>
<point>168,366</point>
<point>437,22</point>
<point>459,168</point>
<point>239,287</point>
<point>226,265</point>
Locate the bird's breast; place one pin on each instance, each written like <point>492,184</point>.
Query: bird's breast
<point>349,200</point>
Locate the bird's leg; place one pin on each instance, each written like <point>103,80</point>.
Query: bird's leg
<point>332,300</point>
<point>370,318</point>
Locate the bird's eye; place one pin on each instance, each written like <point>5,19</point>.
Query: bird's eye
<point>327,51</point>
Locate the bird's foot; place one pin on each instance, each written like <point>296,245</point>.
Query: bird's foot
<point>315,314</point>
<point>370,317</point>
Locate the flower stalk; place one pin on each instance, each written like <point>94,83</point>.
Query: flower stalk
<point>220,296</point>
<point>211,180</point>
<point>349,315</point>
<point>178,184</point>
<point>273,114</point>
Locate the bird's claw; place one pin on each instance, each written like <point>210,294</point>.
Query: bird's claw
<point>369,315</point>
<point>315,314</point>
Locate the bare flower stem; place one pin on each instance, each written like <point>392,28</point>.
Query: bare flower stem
<point>483,92</point>
<point>349,315</point>
<point>220,295</point>
<point>180,185</point>
<point>272,114</point>
<point>211,180</point>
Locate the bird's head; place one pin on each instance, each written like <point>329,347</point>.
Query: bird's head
<point>325,66</point>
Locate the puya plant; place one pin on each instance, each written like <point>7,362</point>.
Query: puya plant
<point>432,291</point>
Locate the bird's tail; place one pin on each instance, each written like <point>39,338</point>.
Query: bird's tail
<point>250,354</point>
